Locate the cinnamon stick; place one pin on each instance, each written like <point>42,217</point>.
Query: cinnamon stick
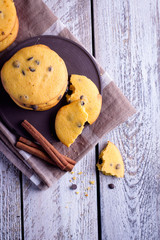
<point>29,143</point>
<point>34,151</point>
<point>32,144</point>
<point>57,158</point>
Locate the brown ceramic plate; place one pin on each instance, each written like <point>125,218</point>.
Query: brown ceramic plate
<point>78,61</point>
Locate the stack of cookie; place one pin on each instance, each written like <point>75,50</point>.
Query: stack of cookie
<point>9,24</point>
<point>35,77</point>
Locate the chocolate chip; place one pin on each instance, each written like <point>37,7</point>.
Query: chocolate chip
<point>79,125</point>
<point>73,186</point>
<point>81,97</point>
<point>23,72</point>
<point>2,33</point>
<point>34,107</point>
<point>32,69</point>
<point>25,96</point>
<point>37,62</point>
<point>20,97</point>
<point>82,103</point>
<point>24,104</point>
<point>28,59</point>
<point>111,164</point>
<point>16,64</point>
<point>50,68</point>
<point>100,161</point>
<point>0,11</point>
<point>70,92</point>
<point>59,97</point>
<point>118,166</point>
<point>111,185</point>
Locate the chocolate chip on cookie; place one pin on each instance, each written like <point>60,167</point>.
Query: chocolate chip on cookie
<point>79,125</point>
<point>50,68</point>
<point>23,72</point>
<point>32,69</point>
<point>16,64</point>
<point>81,97</point>
<point>30,58</point>
<point>37,62</point>
<point>82,103</point>
<point>34,107</point>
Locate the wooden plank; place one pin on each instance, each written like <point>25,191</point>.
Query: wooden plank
<point>10,203</point>
<point>127,45</point>
<point>58,213</point>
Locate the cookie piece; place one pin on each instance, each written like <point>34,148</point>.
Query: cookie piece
<point>10,38</point>
<point>7,18</point>
<point>70,121</point>
<point>110,161</point>
<point>83,88</point>
<point>34,75</point>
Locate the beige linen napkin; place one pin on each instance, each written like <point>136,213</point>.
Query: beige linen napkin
<point>36,19</point>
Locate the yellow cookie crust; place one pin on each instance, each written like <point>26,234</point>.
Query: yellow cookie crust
<point>7,17</point>
<point>10,38</point>
<point>110,161</point>
<point>83,88</point>
<point>35,74</point>
<point>42,107</point>
<point>70,121</point>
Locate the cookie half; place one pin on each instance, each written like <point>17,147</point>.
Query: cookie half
<point>70,121</point>
<point>82,87</point>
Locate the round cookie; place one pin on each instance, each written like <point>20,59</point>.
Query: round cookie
<point>70,121</point>
<point>7,18</point>
<point>83,88</point>
<point>34,75</point>
<point>10,38</point>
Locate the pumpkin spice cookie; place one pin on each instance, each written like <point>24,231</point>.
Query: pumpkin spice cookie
<point>82,87</point>
<point>35,77</point>
<point>110,161</point>
<point>7,18</point>
<point>43,106</point>
<point>10,38</point>
<point>70,121</point>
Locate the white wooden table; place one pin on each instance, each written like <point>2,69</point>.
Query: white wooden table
<point>124,35</point>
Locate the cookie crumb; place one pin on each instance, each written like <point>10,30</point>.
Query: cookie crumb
<point>80,173</point>
<point>66,206</point>
<point>82,181</point>
<point>77,193</point>
<point>72,172</point>
<point>92,182</point>
<point>88,188</point>
<point>86,194</point>
<point>70,180</point>
<point>74,178</point>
